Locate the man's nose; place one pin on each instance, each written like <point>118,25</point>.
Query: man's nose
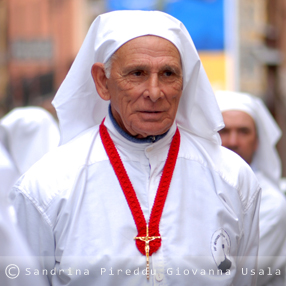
<point>153,90</point>
<point>233,139</point>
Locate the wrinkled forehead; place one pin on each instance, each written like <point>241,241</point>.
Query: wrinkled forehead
<point>137,43</point>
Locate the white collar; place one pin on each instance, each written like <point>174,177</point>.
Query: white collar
<point>122,142</point>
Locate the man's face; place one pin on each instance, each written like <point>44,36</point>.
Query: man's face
<point>239,134</point>
<point>145,85</point>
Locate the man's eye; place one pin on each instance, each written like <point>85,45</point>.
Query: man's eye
<point>223,131</point>
<point>244,131</point>
<point>137,73</point>
<point>168,73</point>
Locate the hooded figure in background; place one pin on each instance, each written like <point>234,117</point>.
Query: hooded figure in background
<point>29,133</point>
<point>252,133</point>
<point>15,255</point>
<point>24,139</point>
<point>140,188</point>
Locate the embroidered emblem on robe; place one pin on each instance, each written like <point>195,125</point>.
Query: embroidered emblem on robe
<point>220,248</point>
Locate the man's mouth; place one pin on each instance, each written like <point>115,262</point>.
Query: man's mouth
<point>147,111</point>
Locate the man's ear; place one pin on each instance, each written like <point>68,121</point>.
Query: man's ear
<point>100,80</point>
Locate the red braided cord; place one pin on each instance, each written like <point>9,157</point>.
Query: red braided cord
<point>123,178</point>
<point>164,185</point>
<point>162,192</point>
<point>130,194</point>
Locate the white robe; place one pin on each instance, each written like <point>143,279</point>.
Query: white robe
<point>74,214</point>
<point>272,224</point>
<point>8,171</point>
<point>14,252</point>
<point>15,256</point>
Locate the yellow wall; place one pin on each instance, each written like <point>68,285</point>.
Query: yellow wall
<point>215,66</point>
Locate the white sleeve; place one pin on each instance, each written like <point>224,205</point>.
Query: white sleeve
<point>272,248</point>
<point>246,274</point>
<point>36,229</point>
<point>16,259</point>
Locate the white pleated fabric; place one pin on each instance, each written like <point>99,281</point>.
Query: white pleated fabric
<point>15,255</point>
<point>14,251</point>
<point>77,102</point>
<point>266,158</point>
<point>31,132</point>
<point>8,171</point>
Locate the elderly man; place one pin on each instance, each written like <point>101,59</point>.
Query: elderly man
<point>252,133</point>
<point>140,192</point>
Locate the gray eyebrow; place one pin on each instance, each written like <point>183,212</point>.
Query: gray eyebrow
<point>174,69</point>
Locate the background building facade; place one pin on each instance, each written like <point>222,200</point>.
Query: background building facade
<point>42,38</point>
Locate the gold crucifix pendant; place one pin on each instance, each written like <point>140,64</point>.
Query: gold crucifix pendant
<point>147,239</point>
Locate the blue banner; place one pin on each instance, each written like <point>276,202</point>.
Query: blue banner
<point>131,5</point>
<point>204,20</point>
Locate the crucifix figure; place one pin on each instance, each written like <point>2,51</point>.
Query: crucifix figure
<point>147,239</point>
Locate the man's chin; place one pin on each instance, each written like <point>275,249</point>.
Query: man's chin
<point>143,133</point>
<point>144,128</point>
